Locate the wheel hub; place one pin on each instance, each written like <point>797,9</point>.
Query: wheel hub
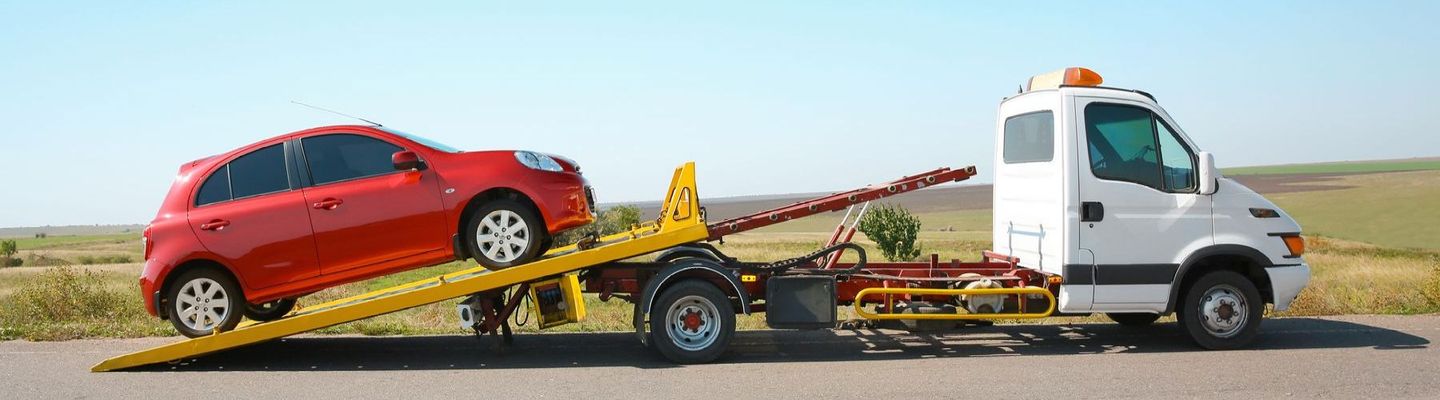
<point>692,323</point>
<point>502,236</point>
<point>202,304</point>
<point>1223,311</point>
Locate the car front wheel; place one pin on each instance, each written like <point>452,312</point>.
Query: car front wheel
<point>204,301</point>
<point>505,233</point>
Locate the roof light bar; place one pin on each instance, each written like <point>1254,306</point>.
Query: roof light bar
<point>1073,76</point>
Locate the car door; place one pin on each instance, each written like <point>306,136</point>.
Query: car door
<point>363,211</point>
<point>1140,210</point>
<point>247,213</point>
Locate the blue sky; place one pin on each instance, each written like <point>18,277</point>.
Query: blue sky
<point>102,101</point>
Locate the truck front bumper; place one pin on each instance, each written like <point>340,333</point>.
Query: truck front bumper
<point>1286,283</point>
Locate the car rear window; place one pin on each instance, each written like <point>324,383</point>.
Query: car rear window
<point>262,171</point>
<point>216,188</point>
<point>1030,137</point>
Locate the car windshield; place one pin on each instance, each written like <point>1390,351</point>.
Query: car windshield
<point>425,141</point>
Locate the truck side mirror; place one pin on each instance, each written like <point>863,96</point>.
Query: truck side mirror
<point>1208,174</point>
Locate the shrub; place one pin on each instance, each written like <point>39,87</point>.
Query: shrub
<point>113,259</point>
<point>612,220</point>
<point>41,260</point>
<point>894,229</point>
<point>71,303</point>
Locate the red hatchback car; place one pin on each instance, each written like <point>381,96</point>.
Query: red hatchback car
<point>246,232</point>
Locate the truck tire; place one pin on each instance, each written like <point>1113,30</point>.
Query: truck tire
<point>203,301</point>
<point>269,311</point>
<point>1221,311</point>
<point>1133,319</point>
<point>504,233</point>
<point>691,322</point>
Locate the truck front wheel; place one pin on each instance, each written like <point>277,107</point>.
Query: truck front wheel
<point>1221,311</point>
<point>691,322</point>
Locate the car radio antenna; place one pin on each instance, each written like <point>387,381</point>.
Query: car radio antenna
<point>338,113</point>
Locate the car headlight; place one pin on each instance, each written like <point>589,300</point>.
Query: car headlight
<point>538,161</point>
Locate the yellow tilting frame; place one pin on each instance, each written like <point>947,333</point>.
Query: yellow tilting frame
<point>679,223</point>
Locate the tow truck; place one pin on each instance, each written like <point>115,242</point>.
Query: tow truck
<point>1101,205</point>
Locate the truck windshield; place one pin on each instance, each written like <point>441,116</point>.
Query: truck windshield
<point>425,141</point>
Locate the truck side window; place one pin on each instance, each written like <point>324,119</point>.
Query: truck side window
<point>1122,144</point>
<point>1176,160</point>
<point>1030,137</point>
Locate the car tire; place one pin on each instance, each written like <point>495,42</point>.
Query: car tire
<point>1221,311</point>
<point>1133,319</point>
<point>504,233</point>
<point>691,322</point>
<point>203,301</point>
<point>269,311</point>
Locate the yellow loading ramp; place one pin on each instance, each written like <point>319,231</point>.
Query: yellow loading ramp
<point>679,223</point>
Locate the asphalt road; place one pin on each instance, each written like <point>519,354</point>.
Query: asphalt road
<point>1355,356</point>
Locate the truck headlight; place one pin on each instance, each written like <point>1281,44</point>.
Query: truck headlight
<point>538,161</point>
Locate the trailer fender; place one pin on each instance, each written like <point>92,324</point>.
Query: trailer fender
<point>679,252</point>
<point>669,275</point>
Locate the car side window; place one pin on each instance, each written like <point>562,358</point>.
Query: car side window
<point>262,171</point>
<point>216,188</point>
<point>340,157</point>
<point>1176,159</point>
<point>1122,142</point>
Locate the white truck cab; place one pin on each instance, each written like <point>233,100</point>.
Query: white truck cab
<point>1100,186</point>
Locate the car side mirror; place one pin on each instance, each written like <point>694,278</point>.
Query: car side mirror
<point>406,160</point>
<point>1209,175</point>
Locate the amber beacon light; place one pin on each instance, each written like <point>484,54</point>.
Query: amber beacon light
<point>1073,76</point>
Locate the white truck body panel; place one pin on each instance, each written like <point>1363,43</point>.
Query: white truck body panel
<point>1152,228</point>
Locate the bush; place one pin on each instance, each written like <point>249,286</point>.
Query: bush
<point>41,260</point>
<point>69,303</point>
<point>91,260</point>
<point>612,220</point>
<point>894,230</point>
<point>13,262</point>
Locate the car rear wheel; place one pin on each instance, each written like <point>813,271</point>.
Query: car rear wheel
<point>269,311</point>
<point>505,233</point>
<point>204,301</point>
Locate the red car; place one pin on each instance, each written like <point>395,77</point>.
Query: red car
<point>246,232</point>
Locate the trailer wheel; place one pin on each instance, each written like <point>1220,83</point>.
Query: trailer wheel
<point>692,322</point>
<point>203,301</point>
<point>1133,319</point>
<point>1221,310</point>
<point>504,233</point>
<point>269,311</point>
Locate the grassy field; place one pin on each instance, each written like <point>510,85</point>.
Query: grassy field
<point>1345,167</point>
<point>1374,244</point>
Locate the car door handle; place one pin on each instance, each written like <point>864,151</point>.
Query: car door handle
<point>215,225</point>
<point>328,204</point>
<point>1092,211</point>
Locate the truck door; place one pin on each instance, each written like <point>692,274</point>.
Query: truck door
<point>1139,206</point>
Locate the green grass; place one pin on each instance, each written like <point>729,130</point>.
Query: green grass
<point>61,242</point>
<point>1400,209</point>
<point>1339,167</point>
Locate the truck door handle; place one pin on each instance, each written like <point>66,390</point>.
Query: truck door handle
<point>214,225</point>
<point>328,204</point>
<point>1092,211</point>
